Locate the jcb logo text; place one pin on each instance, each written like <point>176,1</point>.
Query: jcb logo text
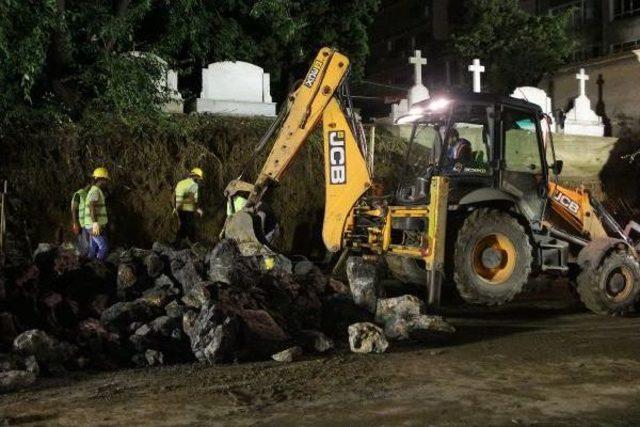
<point>566,202</point>
<point>337,158</point>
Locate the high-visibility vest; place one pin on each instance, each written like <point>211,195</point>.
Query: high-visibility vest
<point>186,195</point>
<point>100,208</point>
<point>235,204</point>
<point>80,198</point>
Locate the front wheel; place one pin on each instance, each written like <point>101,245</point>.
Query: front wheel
<point>612,287</point>
<point>493,258</point>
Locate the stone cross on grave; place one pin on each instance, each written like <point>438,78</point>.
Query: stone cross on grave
<point>476,69</point>
<point>418,62</point>
<point>582,78</point>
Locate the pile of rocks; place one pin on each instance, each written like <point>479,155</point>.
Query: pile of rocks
<point>400,319</point>
<point>159,306</point>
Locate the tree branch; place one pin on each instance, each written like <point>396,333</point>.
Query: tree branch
<point>121,8</point>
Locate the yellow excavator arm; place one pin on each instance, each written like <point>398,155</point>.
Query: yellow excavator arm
<point>346,174</point>
<point>349,218</point>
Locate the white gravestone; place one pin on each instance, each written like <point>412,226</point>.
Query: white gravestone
<point>167,82</point>
<point>477,70</point>
<point>235,88</point>
<point>539,97</point>
<point>581,119</point>
<point>418,91</point>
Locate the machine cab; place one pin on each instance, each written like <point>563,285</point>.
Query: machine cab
<point>490,148</point>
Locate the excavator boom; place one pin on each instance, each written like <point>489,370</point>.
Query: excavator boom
<point>346,174</point>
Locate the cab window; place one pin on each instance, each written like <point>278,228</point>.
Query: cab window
<point>467,142</point>
<point>521,153</point>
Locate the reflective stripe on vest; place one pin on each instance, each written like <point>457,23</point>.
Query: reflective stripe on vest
<point>186,195</point>
<point>238,203</point>
<point>80,197</point>
<point>100,207</point>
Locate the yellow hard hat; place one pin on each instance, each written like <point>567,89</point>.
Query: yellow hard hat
<point>269,263</point>
<point>197,172</point>
<point>101,173</point>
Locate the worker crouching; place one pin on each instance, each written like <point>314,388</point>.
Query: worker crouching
<point>186,205</point>
<point>96,218</point>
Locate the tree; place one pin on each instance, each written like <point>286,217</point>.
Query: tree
<point>518,48</point>
<point>70,55</point>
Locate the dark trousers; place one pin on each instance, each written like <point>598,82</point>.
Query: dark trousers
<point>187,226</point>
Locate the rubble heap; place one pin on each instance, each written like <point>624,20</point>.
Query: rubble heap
<point>161,306</point>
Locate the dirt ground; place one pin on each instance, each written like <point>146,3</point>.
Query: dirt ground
<point>538,361</point>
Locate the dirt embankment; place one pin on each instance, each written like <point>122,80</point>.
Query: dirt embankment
<point>46,163</point>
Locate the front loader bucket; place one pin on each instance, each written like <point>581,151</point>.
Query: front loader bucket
<point>243,228</point>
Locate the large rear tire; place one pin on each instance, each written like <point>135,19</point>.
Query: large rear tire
<point>613,287</point>
<point>493,258</point>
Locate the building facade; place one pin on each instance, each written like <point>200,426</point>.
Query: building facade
<point>607,45</point>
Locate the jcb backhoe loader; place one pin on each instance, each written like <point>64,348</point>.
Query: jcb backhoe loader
<point>507,216</point>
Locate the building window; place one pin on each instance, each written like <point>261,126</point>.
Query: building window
<point>584,53</point>
<point>625,8</point>
<point>579,13</point>
<point>626,46</point>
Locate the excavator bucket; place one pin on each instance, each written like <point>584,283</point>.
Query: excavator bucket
<point>244,229</point>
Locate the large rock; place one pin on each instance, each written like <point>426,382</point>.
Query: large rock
<point>36,343</point>
<point>213,336</point>
<point>158,297</point>
<point>200,294</point>
<point>223,343</point>
<point>222,262</point>
<point>154,357</point>
<point>127,279</point>
<point>262,336</point>
<point>367,338</point>
<point>175,309</point>
<point>154,265</point>
<point>403,318</point>
<point>418,328</point>
<point>404,307</point>
<point>15,380</point>
<point>185,273</point>
<point>165,326</point>
<point>121,314</point>
<point>363,282</point>
<point>429,328</point>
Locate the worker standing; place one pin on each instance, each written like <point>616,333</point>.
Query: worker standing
<point>78,220</point>
<point>186,198</point>
<point>96,218</point>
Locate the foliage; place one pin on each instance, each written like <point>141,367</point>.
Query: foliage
<point>70,55</point>
<point>518,48</point>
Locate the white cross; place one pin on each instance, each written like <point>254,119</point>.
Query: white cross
<point>582,77</point>
<point>476,69</point>
<point>419,61</point>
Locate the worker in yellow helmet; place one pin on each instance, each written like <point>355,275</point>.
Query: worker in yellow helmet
<point>96,218</point>
<point>185,200</point>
